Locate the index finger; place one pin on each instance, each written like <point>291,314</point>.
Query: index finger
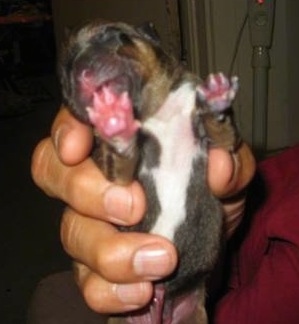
<point>71,138</point>
<point>84,187</point>
<point>229,173</point>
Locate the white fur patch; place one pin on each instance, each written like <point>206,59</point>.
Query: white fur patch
<point>172,126</point>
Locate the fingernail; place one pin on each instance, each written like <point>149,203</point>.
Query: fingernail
<point>153,262</point>
<point>118,204</point>
<point>130,294</point>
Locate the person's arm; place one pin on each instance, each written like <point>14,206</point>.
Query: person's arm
<point>115,270</point>
<point>272,294</point>
<point>264,283</point>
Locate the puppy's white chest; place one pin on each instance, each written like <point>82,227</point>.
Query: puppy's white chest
<point>172,127</point>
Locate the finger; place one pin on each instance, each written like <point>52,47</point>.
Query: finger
<point>247,167</point>
<point>105,297</point>
<point>230,173</point>
<point>101,199</point>
<point>72,139</point>
<point>117,256</point>
<point>234,210</point>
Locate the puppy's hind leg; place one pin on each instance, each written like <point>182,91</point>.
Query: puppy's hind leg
<point>200,316</point>
<point>190,308</point>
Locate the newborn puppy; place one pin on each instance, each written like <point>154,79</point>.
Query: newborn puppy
<point>154,121</point>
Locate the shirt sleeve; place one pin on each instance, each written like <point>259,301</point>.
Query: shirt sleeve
<point>272,296</point>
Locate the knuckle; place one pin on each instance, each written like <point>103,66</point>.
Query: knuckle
<point>75,184</point>
<point>38,161</point>
<point>82,189</point>
<point>41,158</point>
<point>106,261</point>
<point>65,229</point>
<point>69,233</point>
<point>113,256</point>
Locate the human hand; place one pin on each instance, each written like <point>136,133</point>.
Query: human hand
<point>115,270</point>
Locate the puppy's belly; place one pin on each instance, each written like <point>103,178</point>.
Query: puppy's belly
<point>172,128</point>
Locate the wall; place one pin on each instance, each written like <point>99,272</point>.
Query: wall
<point>292,61</point>
<point>69,13</point>
<point>224,19</point>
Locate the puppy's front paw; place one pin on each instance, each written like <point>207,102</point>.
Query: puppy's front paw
<point>111,114</point>
<point>218,92</point>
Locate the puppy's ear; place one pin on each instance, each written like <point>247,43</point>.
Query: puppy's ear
<point>149,32</point>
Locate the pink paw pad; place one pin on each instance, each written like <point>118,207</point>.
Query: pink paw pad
<point>218,92</point>
<point>112,115</point>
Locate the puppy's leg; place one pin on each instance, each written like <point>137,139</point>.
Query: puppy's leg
<point>215,98</point>
<point>200,313</point>
<point>191,308</point>
<point>115,150</point>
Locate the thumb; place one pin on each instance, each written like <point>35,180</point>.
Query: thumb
<point>72,139</point>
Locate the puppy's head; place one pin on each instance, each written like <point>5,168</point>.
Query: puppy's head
<point>111,61</point>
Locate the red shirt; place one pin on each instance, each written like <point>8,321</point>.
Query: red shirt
<point>264,283</point>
